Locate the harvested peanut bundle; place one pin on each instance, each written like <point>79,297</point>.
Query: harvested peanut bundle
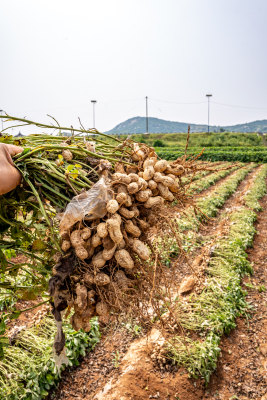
<point>111,247</point>
<point>119,188</point>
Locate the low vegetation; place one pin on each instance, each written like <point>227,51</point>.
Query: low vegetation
<point>32,349</point>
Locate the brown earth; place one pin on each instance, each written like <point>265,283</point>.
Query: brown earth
<point>121,368</point>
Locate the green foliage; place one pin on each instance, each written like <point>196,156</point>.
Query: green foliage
<point>211,204</point>
<point>33,351</point>
<point>199,357</point>
<point>214,201</point>
<point>167,248</point>
<point>200,140</point>
<point>257,191</point>
<point>116,359</point>
<point>246,154</point>
<point>158,143</point>
<point>207,181</point>
<point>133,328</point>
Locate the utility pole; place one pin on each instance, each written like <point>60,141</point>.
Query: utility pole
<point>94,103</point>
<point>208,96</point>
<point>146,116</point>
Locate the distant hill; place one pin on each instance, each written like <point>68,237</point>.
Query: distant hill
<point>156,125</point>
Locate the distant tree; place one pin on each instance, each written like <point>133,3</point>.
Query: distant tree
<point>222,130</point>
<point>158,143</point>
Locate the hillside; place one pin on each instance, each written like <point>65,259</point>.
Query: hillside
<point>156,125</point>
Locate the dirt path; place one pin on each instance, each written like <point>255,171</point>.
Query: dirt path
<point>119,369</point>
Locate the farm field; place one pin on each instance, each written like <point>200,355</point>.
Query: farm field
<point>129,365</point>
<point>202,336</point>
<point>224,146</point>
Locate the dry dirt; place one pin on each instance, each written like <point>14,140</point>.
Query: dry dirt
<point>121,367</point>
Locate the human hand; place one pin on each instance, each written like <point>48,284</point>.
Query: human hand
<point>10,177</point>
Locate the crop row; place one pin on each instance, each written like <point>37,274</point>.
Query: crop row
<point>200,174</point>
<point>28,371</point>
<point>211,203</point>
<point>213,312</point>
<point>244,155</point>
<point>206,181</point>
<point>213,148</point>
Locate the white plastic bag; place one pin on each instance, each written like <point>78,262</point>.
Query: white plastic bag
<point>88,206</point>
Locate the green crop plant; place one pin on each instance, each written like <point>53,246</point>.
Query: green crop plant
<point>32,351</point>
<point>116,359</point>
<point>209,205</point>
<point>214,201</point>
<point>244,154</point>
<point>257,190</point>
<point>203,139</point>
<point>206,182</point>
<point>199,357</point>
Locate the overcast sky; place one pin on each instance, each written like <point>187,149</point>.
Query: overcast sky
<point>57,55</point>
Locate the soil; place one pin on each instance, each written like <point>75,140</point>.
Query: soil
<point>121,366</point>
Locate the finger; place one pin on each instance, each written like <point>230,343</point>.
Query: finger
<point>13,150</point>
<point>11,178</point>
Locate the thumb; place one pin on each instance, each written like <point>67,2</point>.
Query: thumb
<point>13,150</point>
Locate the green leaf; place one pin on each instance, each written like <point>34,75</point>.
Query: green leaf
<point>2,327</point>
<point>38,244</point>
<point>15,314</point>
<point>26,150</point>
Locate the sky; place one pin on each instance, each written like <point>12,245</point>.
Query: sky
<point>58,55</point>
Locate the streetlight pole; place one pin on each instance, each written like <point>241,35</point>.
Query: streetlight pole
<point>208,96</point>
<point>146,115</point>
<point>93,102</point>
